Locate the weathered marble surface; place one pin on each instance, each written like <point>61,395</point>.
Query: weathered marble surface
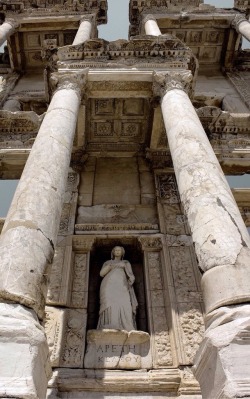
<point>221,239</point>
<point>29,235</point>
<point>24,361</point>
<point>113,349</point>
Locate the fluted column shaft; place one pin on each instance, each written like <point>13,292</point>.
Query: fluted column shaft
<point>150,25</point>
<point>84,31</point>
<point>6,29</point>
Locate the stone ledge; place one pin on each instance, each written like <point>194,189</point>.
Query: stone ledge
<point>162,380</point>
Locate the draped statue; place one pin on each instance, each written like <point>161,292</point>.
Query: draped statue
<point>118,302</point>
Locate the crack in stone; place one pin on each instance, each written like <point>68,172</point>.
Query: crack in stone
<point>219,202</point>
<point>50,241</point>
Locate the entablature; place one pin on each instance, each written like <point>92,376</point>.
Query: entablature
<point>47,8</point>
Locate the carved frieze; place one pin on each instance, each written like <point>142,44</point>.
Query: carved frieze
<point>66,330</point>
<point>152,51</point>
<point>121,227</point>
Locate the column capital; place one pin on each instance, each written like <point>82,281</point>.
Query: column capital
<point>89,17</point>
<point>70,81</point>
<point>148,17</point>
<point>13,22</point>
<point>237,21</point>
<point>164,82</point>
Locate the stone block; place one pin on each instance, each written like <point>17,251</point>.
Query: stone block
<point>113,349</point>
<point>24,352</point>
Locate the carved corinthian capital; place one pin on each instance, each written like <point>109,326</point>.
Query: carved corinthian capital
<point>69,81</point>
<point>237,21</point>
<point>14,23</point>
<point>88,17</point>
<point>148,17</point>
<point>166,81</point>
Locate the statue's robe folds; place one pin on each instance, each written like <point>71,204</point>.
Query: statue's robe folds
<point>117,298</point>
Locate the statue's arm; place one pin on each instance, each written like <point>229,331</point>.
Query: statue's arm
<point>129,272</point>
<point>105,269</point>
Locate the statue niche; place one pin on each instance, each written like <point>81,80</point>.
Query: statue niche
<point>116,344</point>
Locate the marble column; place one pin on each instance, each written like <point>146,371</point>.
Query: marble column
<point>242,26</point>
<point>150,25</point>
<point>6,29</point>
<point>27,246</point>
<point>84,30</point>
<point>219,234</point>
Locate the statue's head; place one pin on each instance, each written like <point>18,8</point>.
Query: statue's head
<point>117,252</point>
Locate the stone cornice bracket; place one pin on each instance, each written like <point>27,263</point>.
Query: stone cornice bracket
<point>237,21</point>
<point>73,81</point>
<point>164,82</point>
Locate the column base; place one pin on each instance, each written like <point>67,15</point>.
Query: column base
<point>228,284</point>
<point>24,352</point>
<point>222,363</point>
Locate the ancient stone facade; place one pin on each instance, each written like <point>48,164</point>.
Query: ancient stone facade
<point>125,143</point>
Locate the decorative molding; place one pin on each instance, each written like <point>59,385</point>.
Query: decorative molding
<point>37,8</point>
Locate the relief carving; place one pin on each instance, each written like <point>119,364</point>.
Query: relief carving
<point>150,242</point>
<point>162,346</point>
<point>192,328</point>
<point>67,221</point>
<point>65,330</point>
<point>79,295</point>
<point>167,188</point>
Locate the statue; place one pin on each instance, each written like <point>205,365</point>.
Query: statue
<point>117,297</point>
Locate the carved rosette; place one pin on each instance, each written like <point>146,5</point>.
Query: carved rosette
<point>237,21</point>
<point>165,82</point>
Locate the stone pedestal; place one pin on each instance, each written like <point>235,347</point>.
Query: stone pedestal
<point>113,349</point>
<point>24,360</point>
<point>222,364</point>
